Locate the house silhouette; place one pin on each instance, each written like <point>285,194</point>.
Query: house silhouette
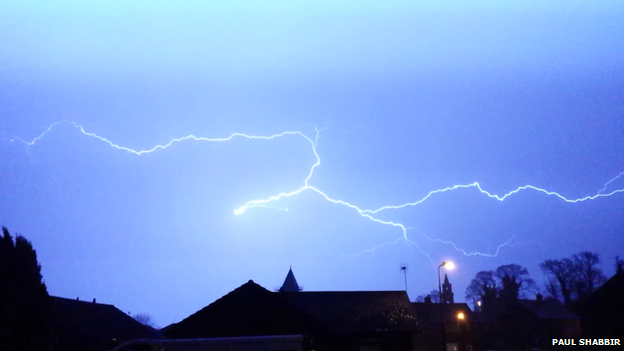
<point>603,311</point>
<point>84,325</point>
<point>330,320</point>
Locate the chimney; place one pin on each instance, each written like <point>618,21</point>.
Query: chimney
<point>428,299</point>
<point>539,297</point>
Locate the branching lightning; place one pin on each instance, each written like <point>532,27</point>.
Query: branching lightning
<point>604,188</point>
<point>365,213</point>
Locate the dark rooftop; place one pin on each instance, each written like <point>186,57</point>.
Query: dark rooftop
<point>427,312</point>
<point>249,310</point>
<point>92,321</point>
<point>547,309</point>
<point>253,310</point>
<point>346,311</point>
<point>612,288</point>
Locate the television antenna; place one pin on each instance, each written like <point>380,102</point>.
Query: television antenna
<point>404,270</point>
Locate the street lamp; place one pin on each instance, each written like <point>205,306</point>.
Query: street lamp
<point>460,317</point>
<point>450,266</point>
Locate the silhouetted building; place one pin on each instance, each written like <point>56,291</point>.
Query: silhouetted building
<point>520,323</point>
<point>358,320</point>
<point>459,324</point>
<point>82,325</point>
<point>603,312</point>
<point>510,290</point>
<point>447,291</point>
<point>249,310</point>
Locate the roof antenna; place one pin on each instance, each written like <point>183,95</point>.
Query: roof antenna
<point>404,269</point>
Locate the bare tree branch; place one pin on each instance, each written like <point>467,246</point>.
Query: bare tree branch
<point>145,319</point>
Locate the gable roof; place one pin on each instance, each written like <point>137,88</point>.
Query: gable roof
<point>602,312</point>
<point>290,283</point>
<point>95,321</point>
<point>249,310</point>
<point>357,311</point>
<point>612,290</point>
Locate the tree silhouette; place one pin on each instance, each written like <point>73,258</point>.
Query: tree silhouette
<point>508,282</point>
<point>24,310</point>
<point>553,289</point>
<point>482,286</point>
<point>561,277</point>
<point>7,290</point>
<point>619,264</point>
<point>574,278</point>
<point>514,274</point>
<point>145,319</point>
<point>435,296</point>
<point>589,275</point>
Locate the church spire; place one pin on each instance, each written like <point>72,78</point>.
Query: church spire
<point>447,291</point>
<point>290,283</point>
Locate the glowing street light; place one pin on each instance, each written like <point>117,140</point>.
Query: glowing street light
<point>449,265</point>
<point>460,317</point>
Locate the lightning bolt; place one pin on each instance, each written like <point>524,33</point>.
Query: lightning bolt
<point>365,213</point>
<point>604,188</point>
<point>494,196</point>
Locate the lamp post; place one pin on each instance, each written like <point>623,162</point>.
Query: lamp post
<point>448,265</point>
<point>460,317</point>
<point>460,337</point>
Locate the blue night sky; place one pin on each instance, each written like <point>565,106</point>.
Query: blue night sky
<point>414,96</point>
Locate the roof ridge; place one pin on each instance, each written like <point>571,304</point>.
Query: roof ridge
<point>249,283</point>
<point>82,301</point>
